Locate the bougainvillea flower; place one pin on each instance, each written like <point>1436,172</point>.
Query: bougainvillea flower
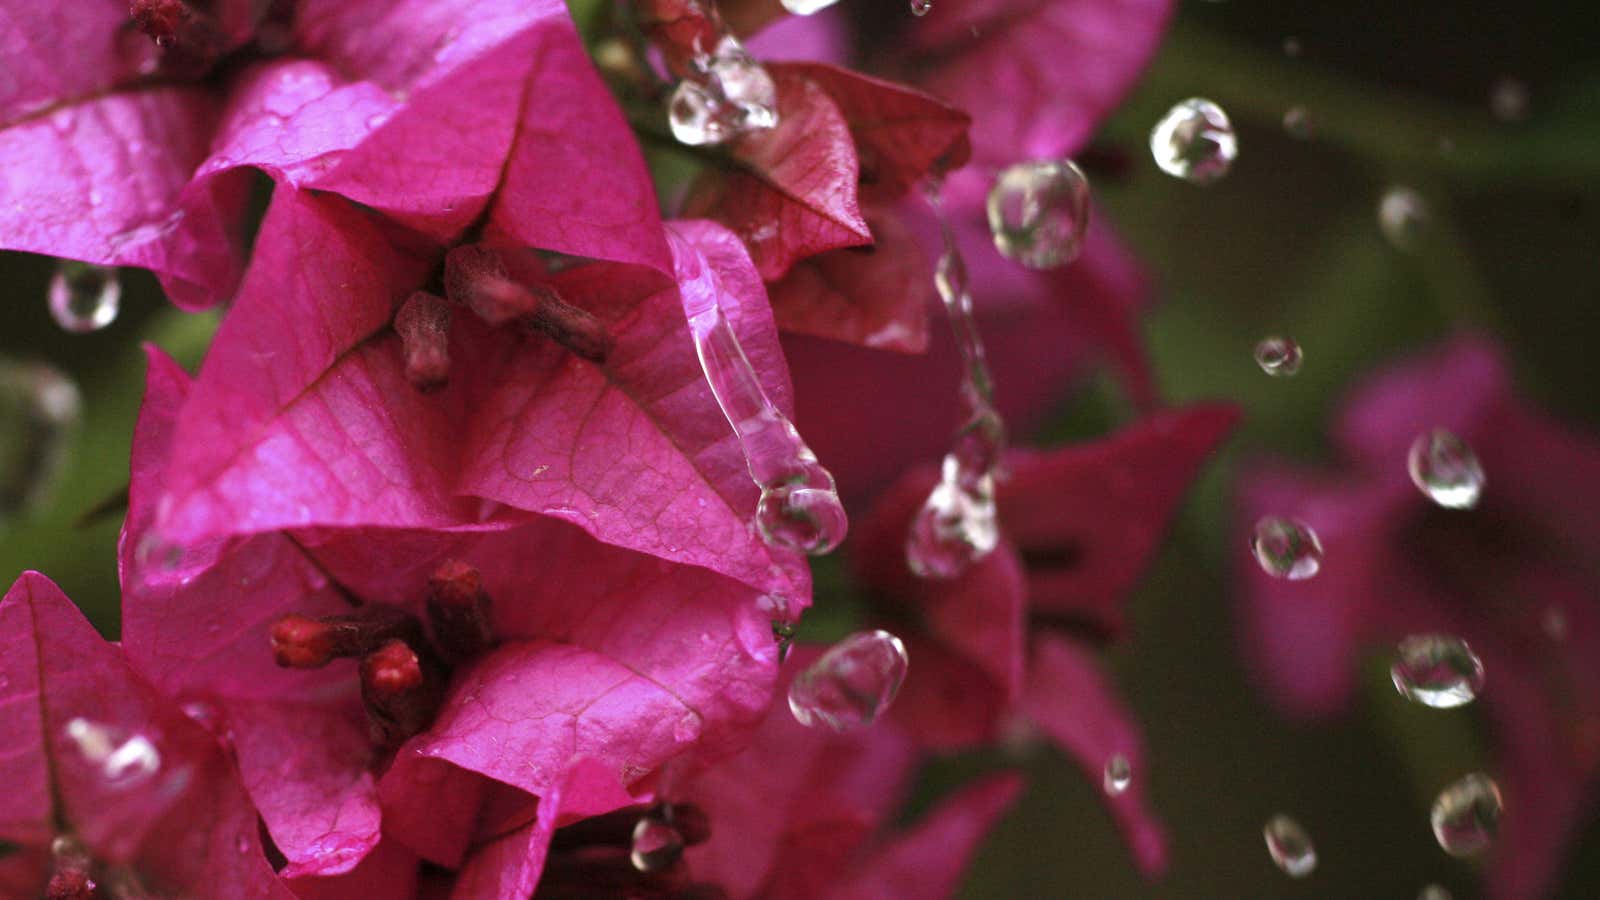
<point>1513,576</point>
<point>105,781</point>
<point>134,153</point>
<point>1016,635</point>
<point>438,681</point>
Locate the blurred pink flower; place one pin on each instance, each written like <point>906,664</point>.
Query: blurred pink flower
<point>1514,577</point>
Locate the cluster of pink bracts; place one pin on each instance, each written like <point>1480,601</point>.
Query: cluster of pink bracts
<point>440,575</point>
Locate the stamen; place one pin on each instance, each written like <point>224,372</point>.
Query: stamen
<point>476,276</point>
<point>69,871</point>
<point>402,691</point>
<point>458,610</point>
<point>301,642</point>
<point>423,324</point>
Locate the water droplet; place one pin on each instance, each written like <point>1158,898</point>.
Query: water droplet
<point>40,409</point>
<point>1434,892</point>
<point>921,8</point>
<point>1437,670</point>
<point>1279,356</point>
<point>84,297</point>
<point>1297,123</point>
<point>851,684</point>
<point>957,525</point>
<point>799,507</point>
<point>1038,212</point>
<point>1286,548</point>
<point>1194,141</point>
<point>1401,214</point>
<point>1290,846</point>
<point>1444,468</point>
<point>727,95</point>
<point>1118,774</point>
<point>807,7</point>
<point>123,761</point>
<point>656,844</point>
<point>1466,815</point>
<point>1508,100</point>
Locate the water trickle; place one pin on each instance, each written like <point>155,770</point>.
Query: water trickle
<point>1466,815</point>
<point>799,507</point>
<point>726,93</point>
<point>1279,356</point>
<point>40,409</point>
<point>1194,141</point>
<point>1445,469</point>
<point>656,844</point>
<point>1437,670</point>
<point>1286,548</point>
<point>1039,211</point>
<point>84,297</point>
<point>1118,775</point>
<point>1290,846</point>
<point>1401,215</point>
<point>957,525</point>
<point>851,684</point>
<point>123,762</point>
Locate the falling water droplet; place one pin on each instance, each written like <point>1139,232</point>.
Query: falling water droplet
<point>807,7</point>
<point>1286,548</point>
<point>1437,670</point>
<point>1444,468</point>
<point>1401,214</point>
<point>122,761</point>
<point>1297,123</point>
<point>851,684</point>
<point>656,844</point>
<point>1434,892</point>
<point>1118,774</point>
<point>84,297</point>
<point>1279,356</point>
<point>1194,141</point>
<point>1466,815</point>
<point>921,7</point>
<point>728,94</point>
<point>1508,100</point>
<point>40,409</point>
<point>799,507</point>
<point>1038,212</point>
<point>1290,846</point>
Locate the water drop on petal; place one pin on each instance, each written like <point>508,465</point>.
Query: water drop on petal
<point>1039,211</point>
<point>1297,123</point>
<point>1286,548</point>
<point>1194,141</point>
<point>851,684</point>
<point>921,8</point>
<point>1466,815</point>
<point>40,409</point>
<point>1118,774</point>
<point>1437,670</point>
<point>1444,468</point>
<point>655,845</point>
<point>1290,846</point>
<point>122,761</point>
<point>803,514</point>
<point>84,297</point>
<point>1401,214</point>
<point>1279,356</point>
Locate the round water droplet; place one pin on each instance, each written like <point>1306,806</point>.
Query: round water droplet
<point>1444,468</point>
<point>921,7</point>
<point>1279,356</point>
<point>1194,141</point>
<point>1038,212</point>
<point>656,844</point>
<point>122,761</point>
<point>1466,815</point>
<point>851,684</point>
<point>1508,100</point>
<point>1434,892</point>
<point>84,297</point>
<point>1297,123</point>
<point>40,409</point>
<point>806,518</point>
<point>807,7</point>
<point>1290,846</point>
<point>1437,670</point>
<point>957,526</point>
<point>1286,548</point>
<point>1118,774</point>
<point>1401,214</point>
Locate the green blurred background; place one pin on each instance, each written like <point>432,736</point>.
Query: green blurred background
<point>1288,243</point>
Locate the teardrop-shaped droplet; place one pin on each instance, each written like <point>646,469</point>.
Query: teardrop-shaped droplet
<point>851,684</point>
<point>1401,216</point>
<point>84,297</point>
<point>1118,774</point>
<point>40,409</point>
<point>1444,468</point>
<point>807,7</point>
<point>122,761</point>
<point>1039,211</point>
<point>921,7</point>
<point>1279,356</point>
<point>1286,548</point>
<point>1434,892</point>
<point>1297,123</point>
<point>1437,670</point>
<point>656,844</point>
<point>803,514</point>
<point>1290,846</point>
<point>1466,815</point>
<point>956,526</point>
<point>1194,141</point>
